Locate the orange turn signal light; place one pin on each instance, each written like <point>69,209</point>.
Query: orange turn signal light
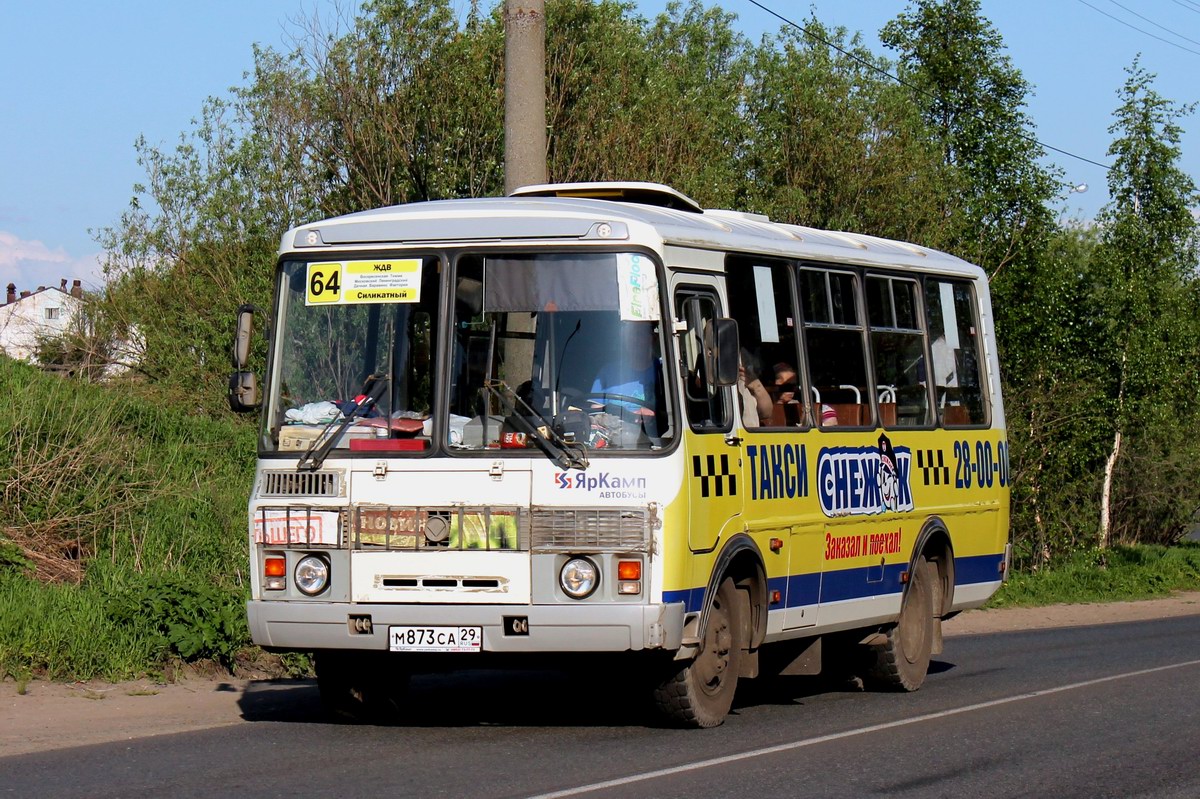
<point>274,567</point>
<point>629,570</point>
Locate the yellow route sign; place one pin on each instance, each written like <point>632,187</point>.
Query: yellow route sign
<point>354,282</point>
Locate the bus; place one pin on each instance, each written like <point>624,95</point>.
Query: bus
<point>596,420</point>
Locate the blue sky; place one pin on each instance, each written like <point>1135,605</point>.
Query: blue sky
<point>84,80</point>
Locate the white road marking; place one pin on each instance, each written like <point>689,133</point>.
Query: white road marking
<point>770,750</point>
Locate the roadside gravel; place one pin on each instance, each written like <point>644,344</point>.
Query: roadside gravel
<point>51,716</point>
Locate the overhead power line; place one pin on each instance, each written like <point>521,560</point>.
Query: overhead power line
<point>910,86</point>
<point>1136,28</point>
<point>1152,22</point>
<point>1190,6</point>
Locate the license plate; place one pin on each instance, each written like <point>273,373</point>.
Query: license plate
<point>435,639</point>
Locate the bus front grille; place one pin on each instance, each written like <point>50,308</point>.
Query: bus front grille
<point>590,529</point>
<point>300,484</point>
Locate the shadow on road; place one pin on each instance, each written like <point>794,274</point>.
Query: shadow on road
<point>528,697</point>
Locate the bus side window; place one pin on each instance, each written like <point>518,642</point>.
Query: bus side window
<point>898,348</point>
<point>760,299</point>
<point>835,346</point>
<point>707,405</point>
<point>960,395</point>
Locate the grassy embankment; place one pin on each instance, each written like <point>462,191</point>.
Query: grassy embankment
<point>122,531</point>
<point>122,537</point>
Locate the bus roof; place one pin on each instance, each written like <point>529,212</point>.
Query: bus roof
<point>641,213</point>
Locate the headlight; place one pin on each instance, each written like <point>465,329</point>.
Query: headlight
<point>312,575</point>
<point>579,578</point>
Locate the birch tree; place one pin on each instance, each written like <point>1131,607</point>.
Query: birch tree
<point>1146,275</point>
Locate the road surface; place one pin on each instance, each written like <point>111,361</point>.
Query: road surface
<point>1111,710</point>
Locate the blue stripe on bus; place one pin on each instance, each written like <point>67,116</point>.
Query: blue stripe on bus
<point>845,584</point>
<point>978,569</point>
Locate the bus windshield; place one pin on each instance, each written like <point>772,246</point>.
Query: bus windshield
<point>544,350</point>
<point>336,338</point>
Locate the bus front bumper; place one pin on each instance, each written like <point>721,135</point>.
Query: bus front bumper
<point>278,624</point>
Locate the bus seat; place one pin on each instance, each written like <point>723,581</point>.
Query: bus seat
<point>849,414</point>
<point>786,414</point>
<point>887,414</point>
<point>956,414</point>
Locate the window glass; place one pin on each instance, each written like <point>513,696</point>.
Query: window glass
<point>708,407</point>
<point>835,348</point>
<point>960,396</point>
<point>760,299</point>
<point>331,352</point>
<point>536,349</point>
<point>898,349</point>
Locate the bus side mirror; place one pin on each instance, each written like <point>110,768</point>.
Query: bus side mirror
<point>243,385</point>
<point>243,392</point>
<point>721,351</point>
<point>241,336</point>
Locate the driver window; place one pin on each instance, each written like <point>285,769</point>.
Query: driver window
<point>708,406</point>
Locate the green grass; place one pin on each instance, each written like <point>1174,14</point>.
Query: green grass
<point>63,632</point>
<point>1121,573</point>
<point>122,531</point>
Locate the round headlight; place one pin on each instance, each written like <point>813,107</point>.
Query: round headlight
<point>312,575</point>
<point>579,578</point>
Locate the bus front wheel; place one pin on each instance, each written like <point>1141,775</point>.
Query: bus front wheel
<point>901,662</point>
<point>699,693</point>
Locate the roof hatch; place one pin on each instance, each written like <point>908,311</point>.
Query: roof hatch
<point>632,192</point>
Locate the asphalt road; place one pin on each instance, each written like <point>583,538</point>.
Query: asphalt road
<point>1106,711</point>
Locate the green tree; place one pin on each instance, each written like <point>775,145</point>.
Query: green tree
<point>634,100</point>
<point>1146,287</point>
<point>974,100</point>
<point>835,144</point>
<point>1054,396</point>
<point>402,107</point>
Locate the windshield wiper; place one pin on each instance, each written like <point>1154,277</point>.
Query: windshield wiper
<point>566,454</point>
<point>316,453</point>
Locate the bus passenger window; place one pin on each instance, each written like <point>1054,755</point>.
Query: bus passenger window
<point>835,346</point>
<point>760,299</point>
<point>954,332</point>
<point>898,347</point>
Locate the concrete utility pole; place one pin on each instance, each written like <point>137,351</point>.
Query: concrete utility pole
<point>524,93</point>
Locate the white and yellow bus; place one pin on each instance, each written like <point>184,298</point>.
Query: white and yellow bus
<point>597,418</point>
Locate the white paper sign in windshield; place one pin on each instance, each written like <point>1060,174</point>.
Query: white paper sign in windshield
<point>637,287</point>
<point>356,282</point>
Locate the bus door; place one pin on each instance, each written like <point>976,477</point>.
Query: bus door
<point>779,452</point>
<point>713,464</point>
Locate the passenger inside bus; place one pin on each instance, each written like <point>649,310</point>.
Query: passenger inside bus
<point>787,386</point>
<point>757,405</point>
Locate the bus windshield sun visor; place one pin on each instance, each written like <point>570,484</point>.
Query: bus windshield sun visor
<point>551,282</point>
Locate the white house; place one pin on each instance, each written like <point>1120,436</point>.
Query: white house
<point>36,314</point>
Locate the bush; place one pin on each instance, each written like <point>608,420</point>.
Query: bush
<point>193,621</point>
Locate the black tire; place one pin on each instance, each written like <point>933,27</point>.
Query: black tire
<point>361,687</point>
<point>902,661</point>
<point>700,692</point>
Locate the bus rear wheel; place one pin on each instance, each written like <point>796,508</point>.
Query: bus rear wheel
<point>360,686</point>
<point>901,662</point>
<point>700,692</point>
